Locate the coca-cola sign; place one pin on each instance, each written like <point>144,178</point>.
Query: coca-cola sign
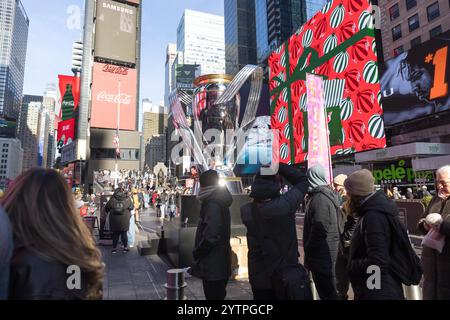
<point>115,69</point>
<point>113,86</point>
<point>114,98</point>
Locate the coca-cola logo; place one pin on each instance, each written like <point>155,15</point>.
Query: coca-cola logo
<point>115,69</point>
<point>68,103</point>
<point>114,98</point>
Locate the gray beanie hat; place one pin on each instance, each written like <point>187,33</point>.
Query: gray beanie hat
<point>360,183</point>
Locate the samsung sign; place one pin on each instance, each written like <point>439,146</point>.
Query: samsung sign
<point>117,8</point>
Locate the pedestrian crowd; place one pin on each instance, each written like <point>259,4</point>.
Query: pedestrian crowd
<point>352,236</point>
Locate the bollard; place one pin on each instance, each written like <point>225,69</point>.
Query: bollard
<point>314,292</point>
<point>175,284</point>
<point>413,292</point>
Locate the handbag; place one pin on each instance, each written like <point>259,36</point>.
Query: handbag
<point>434,240</point>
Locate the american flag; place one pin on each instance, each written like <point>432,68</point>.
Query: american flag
<point>116,143</point>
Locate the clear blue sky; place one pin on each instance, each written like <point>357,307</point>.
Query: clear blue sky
<point>50,40</point>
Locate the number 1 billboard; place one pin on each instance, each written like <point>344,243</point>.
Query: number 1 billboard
<point>415,83</point>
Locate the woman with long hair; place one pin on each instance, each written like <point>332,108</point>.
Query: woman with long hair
<point>55,256</point>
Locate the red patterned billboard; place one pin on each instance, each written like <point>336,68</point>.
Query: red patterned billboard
<point>66,133</point>
<point>68,96</point>
<point>339,44</point>
<point>106,97</point>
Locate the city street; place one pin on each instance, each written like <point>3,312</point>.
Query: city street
<point>133,277</point>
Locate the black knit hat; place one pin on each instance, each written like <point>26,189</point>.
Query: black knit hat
<point>209,178</point>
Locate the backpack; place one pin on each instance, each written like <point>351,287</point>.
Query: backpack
<point>118,207</point>
<point>404,262</point>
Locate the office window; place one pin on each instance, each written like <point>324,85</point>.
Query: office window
<point>394,12</point>
<point>410,4</point>
<point>435,31</point>
<point>413,22</point>
<point>396,32</point>
<point>399,50</point>
<point>433,11</point>
<point>416,41</point>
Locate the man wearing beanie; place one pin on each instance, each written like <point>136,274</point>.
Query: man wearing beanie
<point>372,238</point>
<point>274,270</point>
<point>212,251</point>
<point>320,232</point>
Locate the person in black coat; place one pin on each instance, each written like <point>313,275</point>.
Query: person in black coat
<point>274,269</point>
<point>212,250</point>
<point>119,207</point>
<point>320,233</point>
<point>371,241</point>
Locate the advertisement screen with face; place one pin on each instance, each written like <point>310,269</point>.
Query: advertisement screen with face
<point>415,83</point>
<point>106,97</point>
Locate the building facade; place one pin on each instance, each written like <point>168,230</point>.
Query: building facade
<point>312,6</point>
<point>261,30</point>
<point>171,55</point>
<point>14,25</point>
<point>155,151</point>
<point>155,123</point>
<point>11,154</point>
<point>29,132</point>
<point>201,39</point>
<point>110,74</point>
<point>240,35</point>
<point>284,17</point>
<point>408,23</point>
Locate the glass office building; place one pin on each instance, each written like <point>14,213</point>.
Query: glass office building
<point>14,25</point>
<point>312,6</point>
<point>240,36</point>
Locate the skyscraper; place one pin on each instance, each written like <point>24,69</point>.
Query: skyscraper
<point>14,25</point>
<point>284,17</point>
<point>171,55</point>
<point>313,6</point>
<point>29,131</point>
<point>201,39</point>
<point>261,27</point>
<point>240,35</point>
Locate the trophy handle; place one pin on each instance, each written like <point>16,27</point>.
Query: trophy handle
<point>180,122</point>
<point>256,73</point>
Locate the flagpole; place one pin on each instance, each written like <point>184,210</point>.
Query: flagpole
<point>117,134</point>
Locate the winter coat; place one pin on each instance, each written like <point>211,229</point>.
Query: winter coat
<point>212,250</point>
<point>436,266</point>
<point>119,222</point>
<point>320,230</point>
<point>6,249</point>
<point>277,227</point>
<point>35,278</point>
<point>371,243</point>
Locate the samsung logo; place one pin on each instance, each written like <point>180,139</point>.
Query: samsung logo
<point>116,8</point>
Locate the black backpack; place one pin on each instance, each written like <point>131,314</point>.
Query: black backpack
<point>404,262</point>
<point>118,207</point>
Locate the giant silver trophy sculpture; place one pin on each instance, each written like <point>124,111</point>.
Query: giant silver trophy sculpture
<point>216,105</point>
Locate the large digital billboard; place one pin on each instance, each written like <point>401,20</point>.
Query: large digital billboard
<point>415,83</point>
<point>338,43</point>
<point>68,96</point>
<point>106,97</point>
<point>115,31</point>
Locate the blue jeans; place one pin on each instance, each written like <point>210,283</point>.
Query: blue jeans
<point>131,231</point>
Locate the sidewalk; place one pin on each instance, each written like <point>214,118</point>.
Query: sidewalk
<point>132,277</point>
